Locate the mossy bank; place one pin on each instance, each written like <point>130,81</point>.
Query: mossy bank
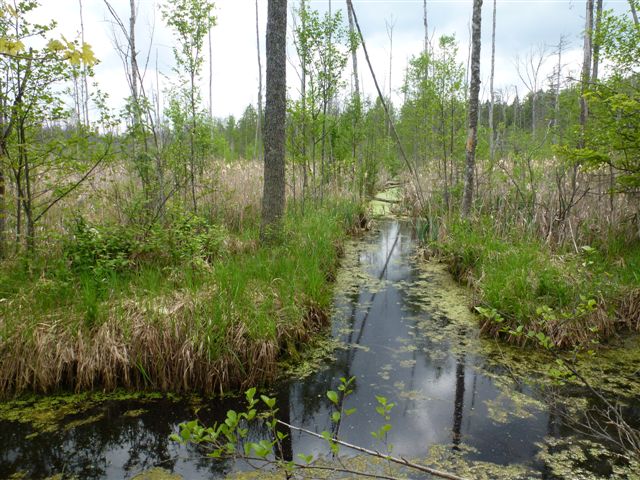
<point>187,304</point>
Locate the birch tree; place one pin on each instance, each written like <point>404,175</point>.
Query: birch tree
<point>492,147</point>
<point>191,21</point>
<point>474,90</point>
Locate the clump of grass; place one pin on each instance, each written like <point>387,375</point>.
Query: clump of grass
<point>186,305</point>
<point>573,298</point>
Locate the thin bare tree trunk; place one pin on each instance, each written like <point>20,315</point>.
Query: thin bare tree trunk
<point>390,27</point>
<point>426,27</point>
<point>596,42</point>
<point>303,94</point>
<point>85,82</point>
<point>586,70</point>
<point>634,13</point>
<point>259,122</point>
<point>472,138</point>
<point>556,120</point>
<point>492,147</point>
<point>210,77</point>
<point>3,209</point>
<point>273,199</point>
<point>325,102</point>
<point>357,152</point>
<point>134,57</point>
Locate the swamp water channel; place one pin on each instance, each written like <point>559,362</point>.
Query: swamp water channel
<point>403,329</point>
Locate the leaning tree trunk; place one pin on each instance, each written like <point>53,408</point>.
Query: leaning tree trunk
<point>273,199</point>
<point>472,137</point>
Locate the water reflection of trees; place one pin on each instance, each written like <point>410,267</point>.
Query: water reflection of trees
<point>96,449</point>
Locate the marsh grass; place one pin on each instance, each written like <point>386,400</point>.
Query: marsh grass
<point>190,304</point>
<point>573,298</point>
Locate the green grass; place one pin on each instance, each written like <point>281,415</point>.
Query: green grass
<point>186,305</point>
<point>571,297</point>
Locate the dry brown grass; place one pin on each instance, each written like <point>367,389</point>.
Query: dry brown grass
<point>513,200</point>
<point>157,347</point>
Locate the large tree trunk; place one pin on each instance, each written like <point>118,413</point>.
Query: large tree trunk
<point>273,200</point>
<point>474,90</point>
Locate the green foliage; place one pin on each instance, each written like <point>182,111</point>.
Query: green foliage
<point>432,119</point>
<point>522,283</point>
<point>611,138</point>
<point>185,268</point>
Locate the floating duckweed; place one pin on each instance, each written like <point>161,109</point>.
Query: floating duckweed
<point>157,474</point>
<point>83,421</point>
<point>135,413</point>
<point>569,457</point>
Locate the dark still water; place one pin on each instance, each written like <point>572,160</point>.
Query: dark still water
<point>405,333</point>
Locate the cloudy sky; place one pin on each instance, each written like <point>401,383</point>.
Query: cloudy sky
<point>521,26</point>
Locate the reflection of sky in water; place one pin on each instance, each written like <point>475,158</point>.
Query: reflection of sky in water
<point>439,396</point>
<point>401,342</point>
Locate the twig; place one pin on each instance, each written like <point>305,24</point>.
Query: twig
<point>319,467</point>
<point>374,453</point>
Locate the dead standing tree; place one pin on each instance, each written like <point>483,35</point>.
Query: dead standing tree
<point>474,91</point>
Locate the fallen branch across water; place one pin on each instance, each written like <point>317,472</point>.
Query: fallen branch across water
<point>374,453</point>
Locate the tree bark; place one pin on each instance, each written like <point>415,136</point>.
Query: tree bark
<point>273,199</point>
<point>474,90</point>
